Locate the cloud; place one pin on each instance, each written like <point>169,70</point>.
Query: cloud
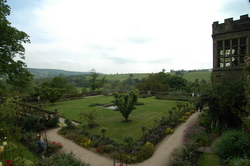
<point>121,36</point>
<point>139,39</point>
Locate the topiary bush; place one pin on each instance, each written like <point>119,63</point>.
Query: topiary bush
<point>233,144</point>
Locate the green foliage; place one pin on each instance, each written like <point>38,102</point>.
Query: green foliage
<point>52,94</point>
<point>187,156</point>
<point>233,144</point>
<point>23,162</point>
<point>153,83</point>
<point>169,131</point>
<point>90,116</point>
<point>146,152</point>
<point>226,100</point>
<point>128,141</point>
<point>53,147</point>
<point>11,46</point>
<point>69,124</point>
<point>53,121</point>
<point>239,162</point>
<point>59,159</point>
<point>103,130</point>
<point>94,82</point>
<point>194,132</point>
<point>125,102</point>
<point>32,123</point>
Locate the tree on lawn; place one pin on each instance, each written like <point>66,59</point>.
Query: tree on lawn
<point>94,82</point>
<point>11,40</point>
<point>125,102</point>
<point>52,94</point>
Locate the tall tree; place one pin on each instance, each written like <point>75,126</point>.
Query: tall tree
<point>226,100</point>
<point>11,46</point>
<point>52,94</point>
<point>94,82</point>
<point>125,102</point>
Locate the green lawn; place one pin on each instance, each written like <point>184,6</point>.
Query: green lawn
<point>208,159</point>
<point>143,115</point>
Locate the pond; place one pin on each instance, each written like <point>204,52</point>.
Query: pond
<point>112,107</point>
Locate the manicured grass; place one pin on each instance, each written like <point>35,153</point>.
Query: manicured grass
<point>152,109</point>
<point>208,159</point>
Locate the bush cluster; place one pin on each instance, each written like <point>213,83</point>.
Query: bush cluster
<point>59,159</point>
<point>233,144</point>
<point>187,156</point>
<point>37,123</point>
<point>194,132</point>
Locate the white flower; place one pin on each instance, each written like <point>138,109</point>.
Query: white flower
<point>4,143</point>
<point>1,164</point>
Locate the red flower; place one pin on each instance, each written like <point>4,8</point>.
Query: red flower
<point>120,165</point>
<point>10,164</point>
<point>7,161</point>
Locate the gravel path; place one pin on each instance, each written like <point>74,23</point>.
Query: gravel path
<point>159,158</point>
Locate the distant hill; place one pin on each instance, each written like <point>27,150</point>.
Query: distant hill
<point>190,76</point>
<point>53,72</point>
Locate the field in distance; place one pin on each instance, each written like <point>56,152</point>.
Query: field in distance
<point>190,76</point>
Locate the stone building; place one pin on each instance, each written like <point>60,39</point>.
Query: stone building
<point>231,42</point>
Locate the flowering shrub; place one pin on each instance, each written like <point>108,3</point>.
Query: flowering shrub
<point>169,131</point>
<point>53,147</point>
<point>9,162</point>
<point>194,132</point>
<point>182,119</point>
<point>86,142</point>
<point>146,152</point>
<point>100,148</point>
<point>191,111</point>
<point>186,156</point>
<point>70,135</point>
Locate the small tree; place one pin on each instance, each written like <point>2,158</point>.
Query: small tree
<point>103,130</point>
<point>128,141</point>
<point>90,116</point>
<point>125,102</point>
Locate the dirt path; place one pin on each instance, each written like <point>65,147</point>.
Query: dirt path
<point>159,158</point>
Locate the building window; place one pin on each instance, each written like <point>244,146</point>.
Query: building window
<point>230,52</point>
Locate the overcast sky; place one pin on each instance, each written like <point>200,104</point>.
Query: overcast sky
<point>121,36</point>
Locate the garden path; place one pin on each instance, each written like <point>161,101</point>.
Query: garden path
<point>160,157</point>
